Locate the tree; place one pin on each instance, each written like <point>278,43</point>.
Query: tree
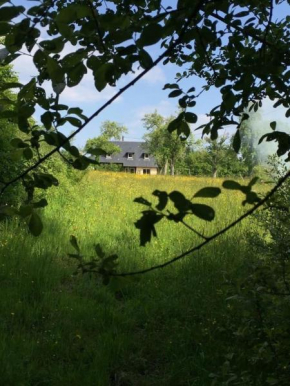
<point>214,158</point>
<point>233,46</point>
<point>113,130</point>
<point>10,166</point>
<point>109,130</point>
<point>167,148</point>
<point>216,152</point>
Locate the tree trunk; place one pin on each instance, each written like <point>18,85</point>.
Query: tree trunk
<point>214,172</point>
<point>172,168</point>
<point>165,168</point>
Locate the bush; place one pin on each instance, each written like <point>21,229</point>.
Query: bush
<point>259,312</point>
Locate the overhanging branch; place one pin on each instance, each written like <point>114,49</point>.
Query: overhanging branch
<point>111,100</point>
<point>211,238</point>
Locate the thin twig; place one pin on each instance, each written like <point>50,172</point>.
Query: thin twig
<point>64,158</point>
<point>97,25</point>
<point>194,230</point>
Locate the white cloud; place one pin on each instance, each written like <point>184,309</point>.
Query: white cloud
<point>135,125</point>
<point>154,76</point>
<point>86,92</point>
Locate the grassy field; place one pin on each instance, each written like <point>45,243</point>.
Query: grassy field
<point>167,327</point>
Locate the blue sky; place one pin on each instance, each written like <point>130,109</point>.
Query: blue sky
<point>146,96</point>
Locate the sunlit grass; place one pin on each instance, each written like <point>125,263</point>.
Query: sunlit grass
<point>158,329</point>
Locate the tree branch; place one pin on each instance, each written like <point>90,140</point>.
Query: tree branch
<point>97,25</point>
<point>247,33</point>
<point>111,100</point>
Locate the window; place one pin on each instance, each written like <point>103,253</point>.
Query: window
<point>130,170</point>
<point>108,156</point>
<point>146,156</point>
<point>146,171</point>
<point>130,155</point>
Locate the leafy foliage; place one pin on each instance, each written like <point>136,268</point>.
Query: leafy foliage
<point>231,46</point>
<point>259,301</point>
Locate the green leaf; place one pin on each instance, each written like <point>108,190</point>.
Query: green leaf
<point>202,211</point>
<point>58,88</point>
<point>151,34</point>
<point>183,102</point>
<point>209,192</point>
<point>53,46</point>
<point>74,242</point>
<point>40,59</point>
<point>237,141</point>
<point>9,13</point>
<point>273,125</point>
<point>183,130</point>
<point>100,77</point>
<point>16,155</point>
<point>54,70</point>
<point>74,151</point>
<point>44,180</point>
<point>75,75</point>
<point>35,224</point>
<point>81,163</point>
<point>18,143</point>
<point>28,153</point>
<point>190,117</point>
<point>170,86</point>
<point>72,13</point>
<point>145,59</point>
<point>77,111</point>
<point>47,118</point>
<point>173,125</point>
<point>72,120</point>
<point>27,92</point>
<point>175,93</point>
<point>72,59</point>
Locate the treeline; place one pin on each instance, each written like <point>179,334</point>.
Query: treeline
<point>16,154</point>
<point>199,157</point>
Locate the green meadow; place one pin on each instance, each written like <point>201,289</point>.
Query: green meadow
<point>172,326</point>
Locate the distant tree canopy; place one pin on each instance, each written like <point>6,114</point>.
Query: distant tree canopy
<point>167,148</point>
<point>109,130</point>
<point>237,47</point>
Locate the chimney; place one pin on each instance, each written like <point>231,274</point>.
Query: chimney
<point>122,138</point>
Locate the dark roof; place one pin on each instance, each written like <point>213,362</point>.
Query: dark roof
<point>138,148</point>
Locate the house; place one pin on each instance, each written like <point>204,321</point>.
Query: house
<point>133,157</point>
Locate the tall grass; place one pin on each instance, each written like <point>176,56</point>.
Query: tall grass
<point>164,328</point>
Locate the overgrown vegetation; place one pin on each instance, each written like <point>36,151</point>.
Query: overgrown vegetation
<point>218,317</point>
<point>171,327</point>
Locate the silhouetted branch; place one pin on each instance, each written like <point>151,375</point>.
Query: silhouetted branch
<point>213,237</point>
<point>111,100</point>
